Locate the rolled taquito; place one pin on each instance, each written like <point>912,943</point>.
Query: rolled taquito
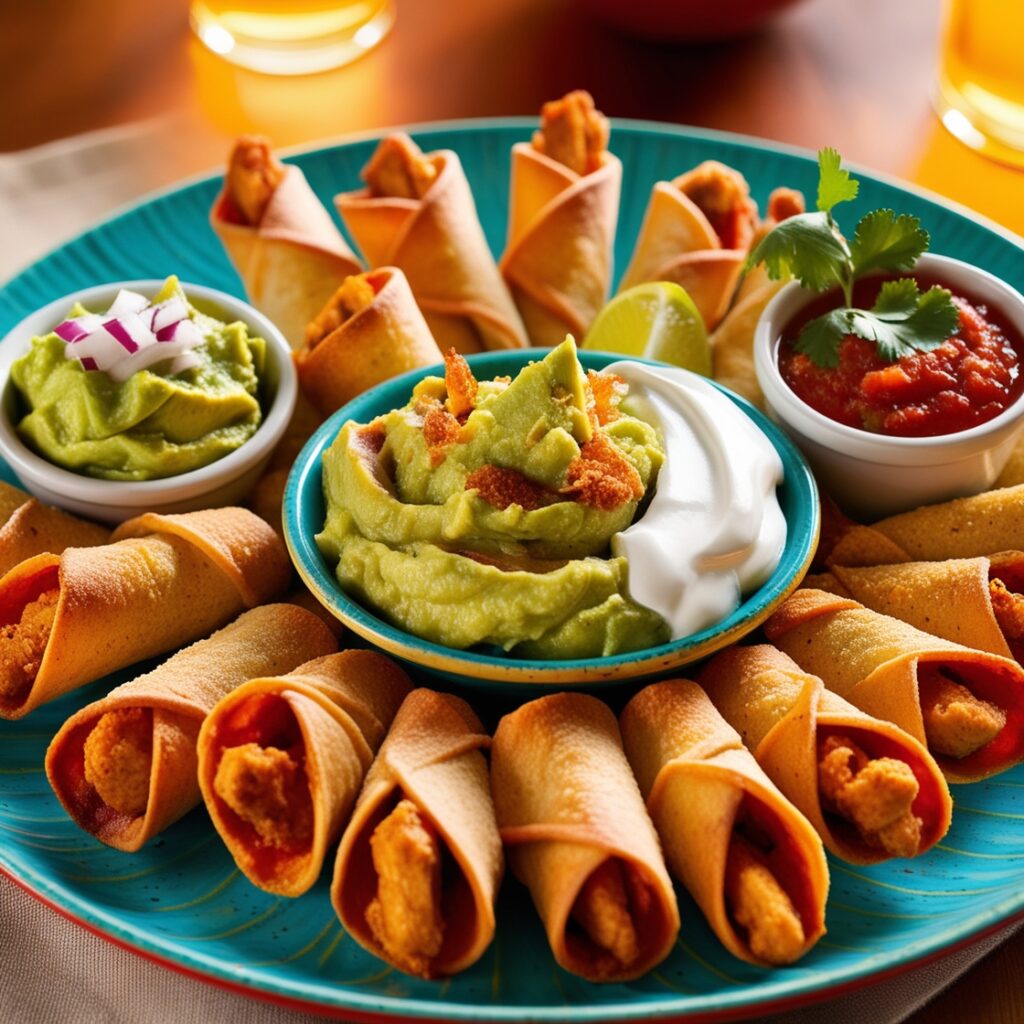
<point>696,232</point>
<point>28,527</point>
<point>163,581</point>
<point>286,248</point>
<point>124,767</point>
<point>749,858</point>
<point>977,602</point>
<point>281,760</point>
<point>578,836</point>
<point>982,524</point>
<point>420,861</point>
<point>370,330</point>
<point>564,202</point>
<point>732,341</point>
<point>870,790</point>
<point>965,706</point>
<point>417,213</point>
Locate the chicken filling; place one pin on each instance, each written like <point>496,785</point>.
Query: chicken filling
<point>252,177</point>
<point>760,906</point>
<point>607,908</point>
<point>405,915</point>
<point>119,759</point>
<point>723,196</point>
<point>23,643</point>
<point>1008,607</point>
<point>398,169</point>
<point>266,787</point>
<point>875,794</point>
<point>573,132</point>
<point>956,722</point>
<point>353,296</point>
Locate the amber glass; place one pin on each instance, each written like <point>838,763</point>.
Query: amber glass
<point>981,76</point>
<point>291,37</point>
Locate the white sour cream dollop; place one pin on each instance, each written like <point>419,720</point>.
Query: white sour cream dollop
<point>714,529</point>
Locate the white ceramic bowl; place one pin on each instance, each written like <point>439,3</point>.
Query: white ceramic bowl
<point>874,475</point>
<point>223,482</point>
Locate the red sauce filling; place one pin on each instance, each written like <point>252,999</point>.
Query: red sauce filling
<point>969,379</point>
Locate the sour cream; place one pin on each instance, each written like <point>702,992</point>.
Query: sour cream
<point>714,529</point>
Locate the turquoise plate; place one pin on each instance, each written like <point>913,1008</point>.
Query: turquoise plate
<point>180,900</point>
<point>491,668</point>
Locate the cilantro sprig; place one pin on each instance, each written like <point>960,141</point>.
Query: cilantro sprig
<point>811,248</point>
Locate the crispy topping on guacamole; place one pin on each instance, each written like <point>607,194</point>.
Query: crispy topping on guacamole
<point>481,512</point>
<point>154,424</point>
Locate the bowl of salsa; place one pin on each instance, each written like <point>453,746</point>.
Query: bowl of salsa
<point>884,435</point>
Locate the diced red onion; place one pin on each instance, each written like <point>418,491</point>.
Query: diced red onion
<point>88,363</point>
<point>117,331</point>
<point>70,331</point>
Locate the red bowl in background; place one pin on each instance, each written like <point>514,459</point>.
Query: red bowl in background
<point>678,21</point>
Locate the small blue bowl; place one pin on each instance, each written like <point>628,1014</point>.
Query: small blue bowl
<point>490,668</point>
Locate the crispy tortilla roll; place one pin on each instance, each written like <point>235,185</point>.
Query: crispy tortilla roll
<point>417,213</point>
<point>420,861</point>
<point>578,837</point>
<point>281,761</point>
<point>564,202</point>
<point>983,524</point>
<point>124,767</point>
<point>748,857</point>
<point>697,231</point>
<point>870,790</point>
<point>280,238</point>
<point>370,330</point>
<point>965,706</point>
<point>732,341</point>
<point>163,581</point>
<point>28,527</point>
<point>977,602</point>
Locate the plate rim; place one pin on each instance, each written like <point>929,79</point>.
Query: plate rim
<point>855,976</point>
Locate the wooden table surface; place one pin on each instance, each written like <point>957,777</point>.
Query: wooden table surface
<point>854,74</point>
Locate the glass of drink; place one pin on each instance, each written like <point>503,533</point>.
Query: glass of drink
<point>291,37</point>
<point>981,76</point>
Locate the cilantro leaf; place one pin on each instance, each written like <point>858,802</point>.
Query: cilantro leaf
<point>901,322</point>
<point>884,241</point>
<point>819,340</point>
<point>806,246</point>
<point>834,184</point>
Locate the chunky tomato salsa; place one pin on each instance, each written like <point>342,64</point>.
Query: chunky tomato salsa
<point>969,379</point>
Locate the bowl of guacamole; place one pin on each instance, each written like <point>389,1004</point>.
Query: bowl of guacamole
<point>462,519</point>
<point>169,433</point>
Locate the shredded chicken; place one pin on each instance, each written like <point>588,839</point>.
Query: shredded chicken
<point>460,384</point>
<point>573,132</point>
<point>605,391</point>
<point>501,487</point>
<point>875,794</point>
<point>405,915</point>
<point>399,169</point>
<point>956,723</point>
<point>1008,607</point>
<point>723,196</point>
<point>784,203</point>
<point>353,296</point>
<point>266,787</point>
<point>253,176</point>
<point>23,643</point>
<point>760,906</point>
<point>602,911</point>
<point>602,476</point>
<point>119,759</point>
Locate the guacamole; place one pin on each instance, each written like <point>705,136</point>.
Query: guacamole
<point>482,512</point>
<point>153,424</point>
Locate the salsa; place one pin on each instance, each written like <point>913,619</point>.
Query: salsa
<point>969,379</point>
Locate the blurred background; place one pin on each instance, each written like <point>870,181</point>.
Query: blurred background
<point>859,75</point>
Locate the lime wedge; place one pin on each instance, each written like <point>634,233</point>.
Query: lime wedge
<point>657,320</point>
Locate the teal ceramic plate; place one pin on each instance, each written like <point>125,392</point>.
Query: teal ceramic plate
<point>492,668</point>
<point>180,900</point>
